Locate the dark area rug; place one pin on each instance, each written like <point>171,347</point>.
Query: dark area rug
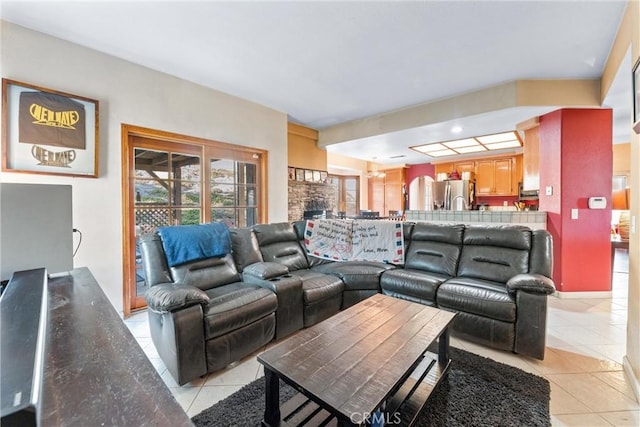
<point>477,392</point>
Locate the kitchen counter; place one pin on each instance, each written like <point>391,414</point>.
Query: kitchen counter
<point>533,219</point>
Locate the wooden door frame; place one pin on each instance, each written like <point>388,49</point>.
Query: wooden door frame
<point>128,193</point>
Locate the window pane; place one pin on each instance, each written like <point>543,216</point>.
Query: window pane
<point>224,215</point>
<point>185,167</point>
<point>351,184</point>
<point>186,216</point>
<point>247,217</point>
<point>186,193</point>
<point>222,195</point>
<point>247,173</point>
<point>222,171</point>
<point>246,195</point>
<point>151,164</point>
<point>149,219</point>
<point>151,191</point>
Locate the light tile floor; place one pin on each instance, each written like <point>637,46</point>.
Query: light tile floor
<point>583,362</point>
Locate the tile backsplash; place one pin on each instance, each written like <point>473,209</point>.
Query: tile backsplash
<point>532,219</point>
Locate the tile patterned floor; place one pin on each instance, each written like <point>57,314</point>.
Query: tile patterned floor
<point>583,362</point>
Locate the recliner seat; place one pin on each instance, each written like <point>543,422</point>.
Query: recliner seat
<point>201,316</point>
<point>322,293</point>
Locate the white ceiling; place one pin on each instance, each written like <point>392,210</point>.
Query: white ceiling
<point>327,63</point>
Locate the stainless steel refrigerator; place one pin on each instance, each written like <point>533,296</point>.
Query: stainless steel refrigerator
<point>453,195</point>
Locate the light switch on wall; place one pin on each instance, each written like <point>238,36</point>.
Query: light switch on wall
<point>549,190</point>
<point>574,213</point>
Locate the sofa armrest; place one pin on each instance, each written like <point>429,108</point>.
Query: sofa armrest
<point>264,270</point>
<point>169,297</point>
<point>533,283</point>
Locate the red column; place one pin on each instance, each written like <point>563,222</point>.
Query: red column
<point>576,162</point>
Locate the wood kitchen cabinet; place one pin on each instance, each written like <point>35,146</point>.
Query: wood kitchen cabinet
<point>469,166</point>
<point>498,177</point>
<point>386,193</point>
<point>495,176</point>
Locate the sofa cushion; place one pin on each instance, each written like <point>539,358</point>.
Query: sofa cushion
<point>317,286</point>
<point>207,273</point>
<point>244,247</point>
<point>494,253</point>
<point>356,275</point>
<point>417,285</point>
<point>481,297</point>
<point>435,248</point>
<point>279,243</point>
<point>234,306</point>
<point>300,227</point>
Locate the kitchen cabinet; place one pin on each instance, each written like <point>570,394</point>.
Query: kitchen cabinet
<point>469,166</point>
<point>531,159</point>
<point>497,177</point>
<point>387,193</point>
<point>466,166</point>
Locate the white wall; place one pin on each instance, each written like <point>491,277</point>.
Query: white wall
<point>133,95</point>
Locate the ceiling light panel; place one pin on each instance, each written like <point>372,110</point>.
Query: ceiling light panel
<point>502,145</point>
<point>472,149</point>
<point>478,144</point>
<point>429,147</point>
<point>498,137</point>
<point>441,153</point>
<point>461,143</point>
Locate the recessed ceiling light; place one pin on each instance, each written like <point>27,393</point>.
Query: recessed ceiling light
<point>456,129</point>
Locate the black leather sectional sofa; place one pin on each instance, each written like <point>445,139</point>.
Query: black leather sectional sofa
<point>209,313</point>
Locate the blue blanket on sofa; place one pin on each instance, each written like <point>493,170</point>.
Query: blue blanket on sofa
<point>185,243</point>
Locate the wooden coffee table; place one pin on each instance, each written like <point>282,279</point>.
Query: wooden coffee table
<point>367,363</point>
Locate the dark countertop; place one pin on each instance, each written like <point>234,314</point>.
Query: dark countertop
<point>95,373</point>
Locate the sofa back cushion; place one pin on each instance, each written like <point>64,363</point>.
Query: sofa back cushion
<point>279,243</point>
<point>434,248</point>
<point>204,274</point>
<point>154,260</point>
<point>244,247</point>
<point>300,227</point>
<point>495,253</point>
<point>207,273</point>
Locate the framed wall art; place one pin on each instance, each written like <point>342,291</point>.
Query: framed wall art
<point>308,175</point>
<point>299,174</point>
<point>48,132</point>
<point>292,173</point>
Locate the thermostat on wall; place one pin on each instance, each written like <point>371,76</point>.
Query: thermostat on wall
<point>597,202</point>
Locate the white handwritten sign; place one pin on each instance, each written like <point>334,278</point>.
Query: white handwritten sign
<point>341,240</point>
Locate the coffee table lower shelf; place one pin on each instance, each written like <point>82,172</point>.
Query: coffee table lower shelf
<point>402,408</point>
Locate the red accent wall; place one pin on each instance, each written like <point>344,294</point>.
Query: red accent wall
<point>423,169</point>
<point>576,160</point>
<point>414,171</point>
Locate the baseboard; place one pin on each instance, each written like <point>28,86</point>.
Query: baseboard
<point>633,380</point>
<point>585,295</point>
